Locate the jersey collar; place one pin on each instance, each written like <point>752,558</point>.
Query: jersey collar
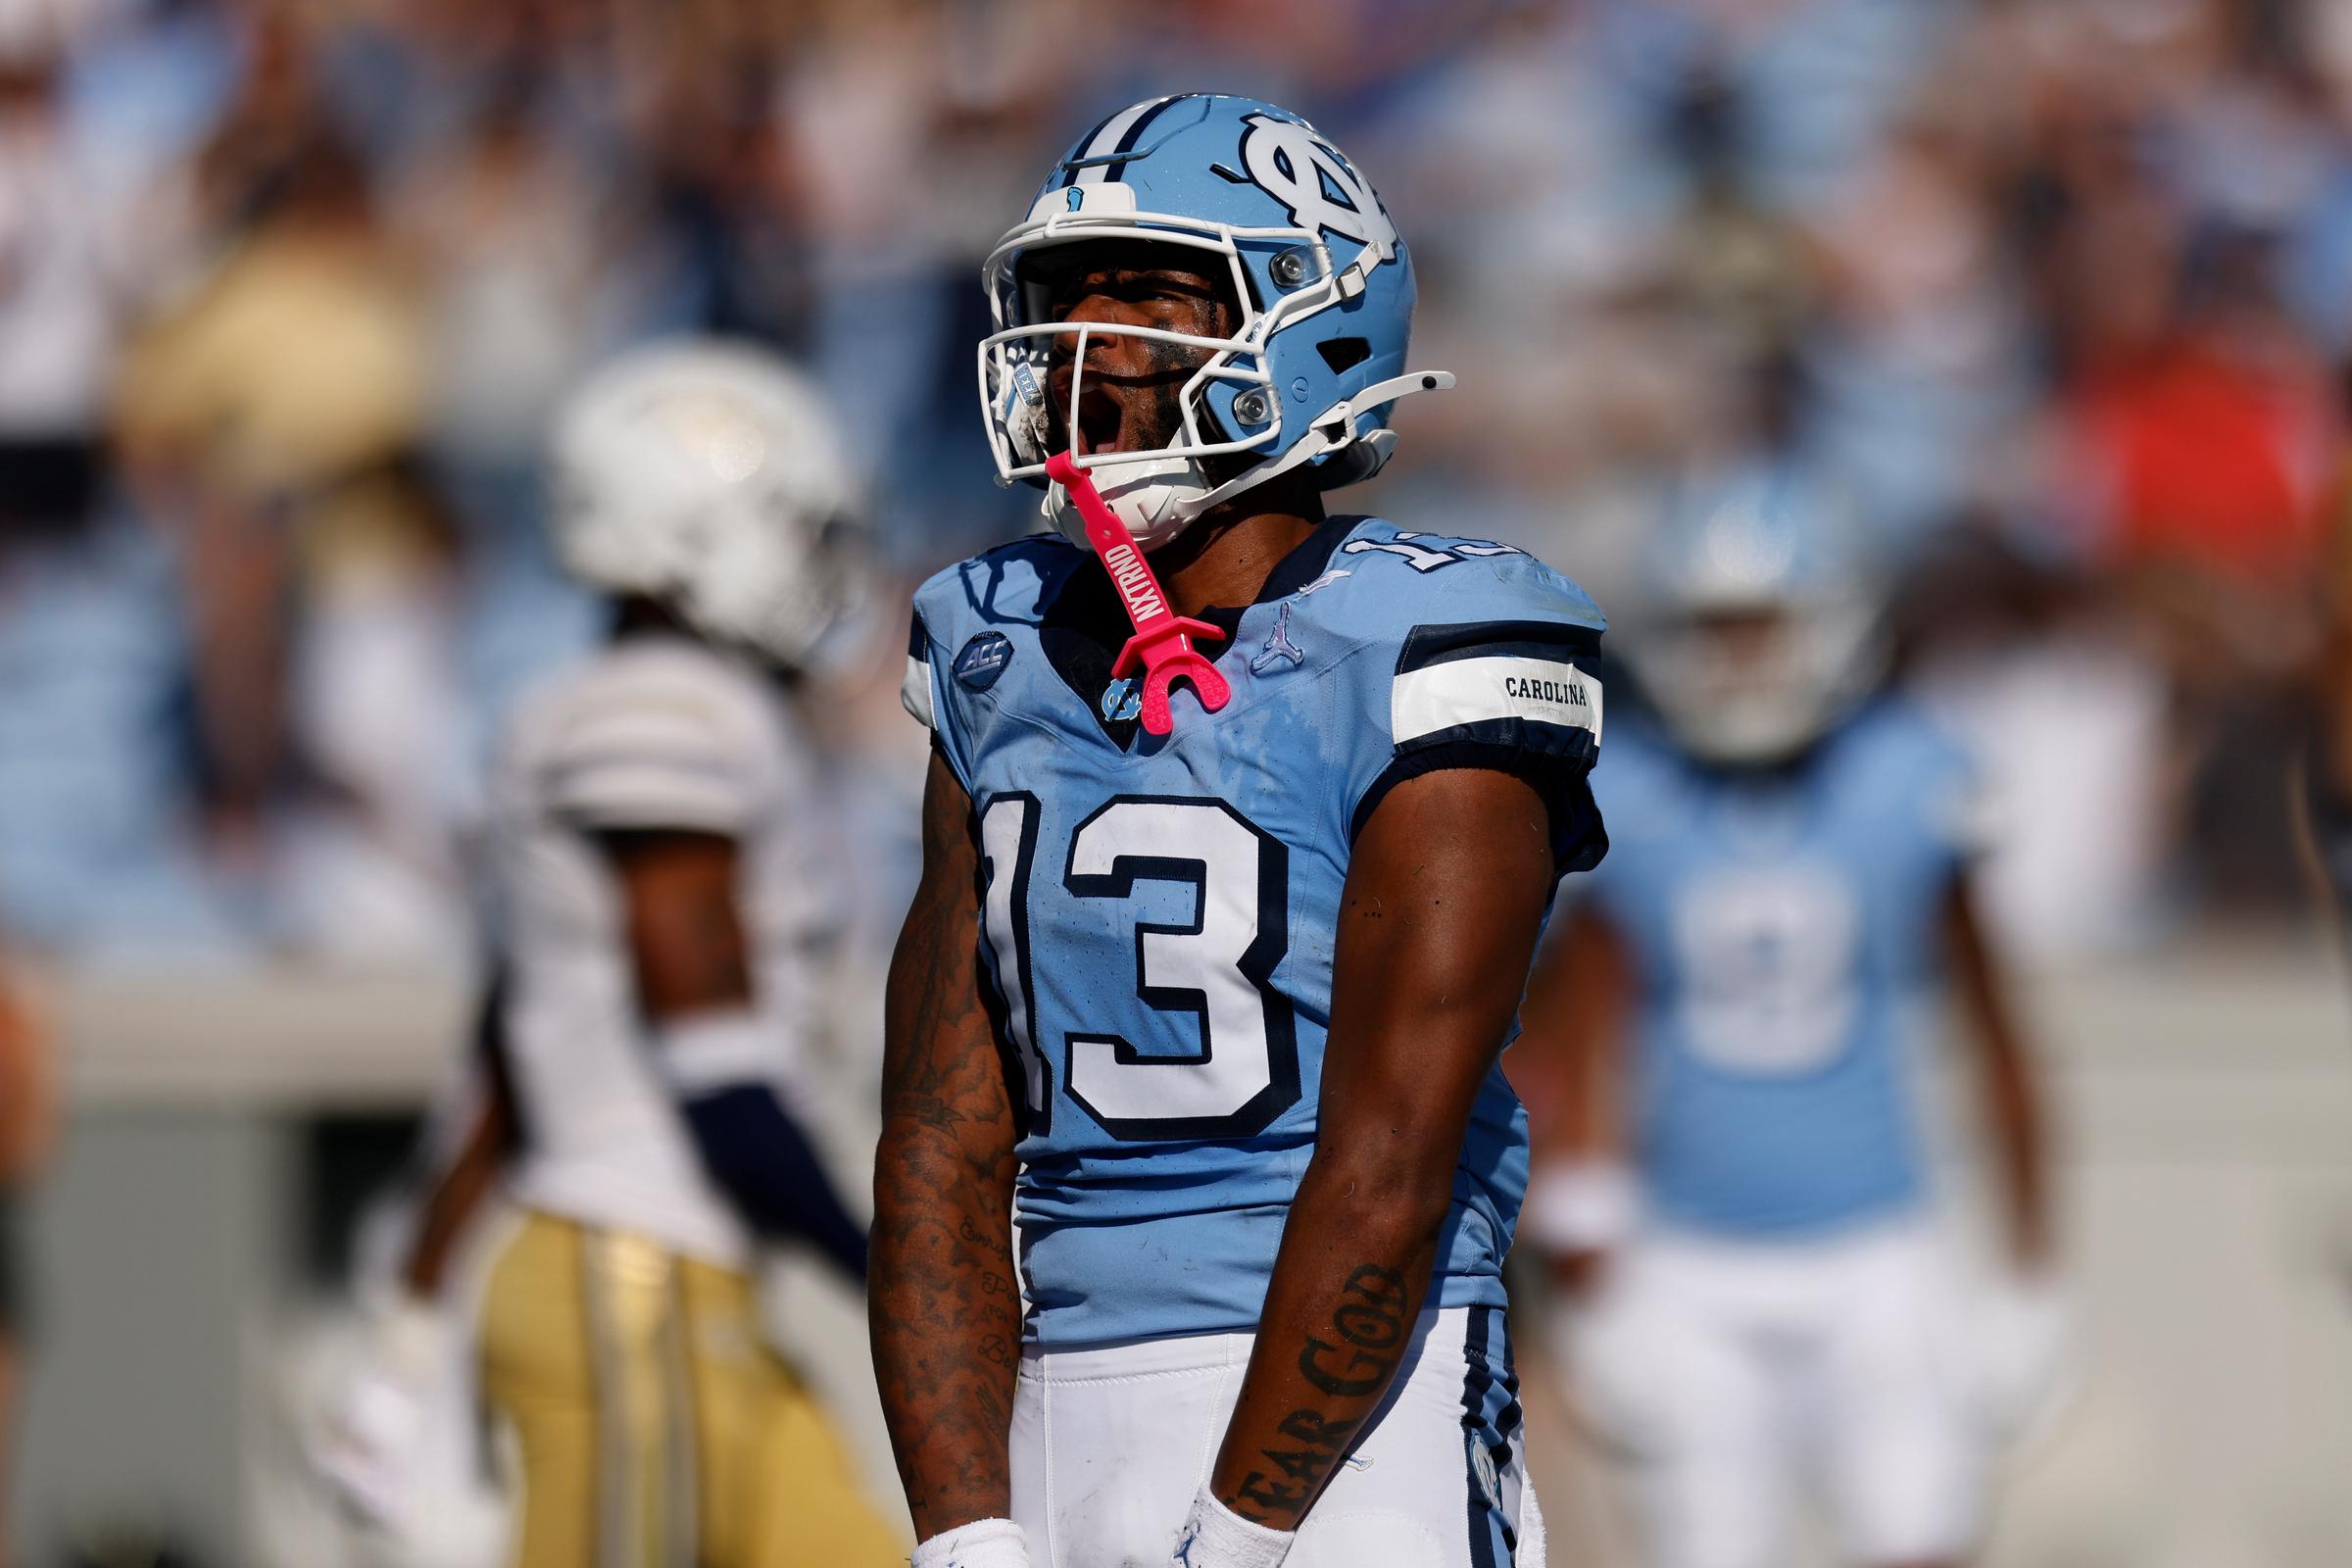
<point>1081,626</point>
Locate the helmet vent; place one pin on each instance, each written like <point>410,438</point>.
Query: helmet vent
<point>1343,353</point>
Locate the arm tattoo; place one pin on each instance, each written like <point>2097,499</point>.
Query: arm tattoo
<point>1369,1327</point>
<point>1437,925</point>
<point>945,1314</point>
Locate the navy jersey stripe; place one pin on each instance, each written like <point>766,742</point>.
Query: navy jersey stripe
<point>1425,646</point>
<point>1554,758</point>
<point>1475,1381</point>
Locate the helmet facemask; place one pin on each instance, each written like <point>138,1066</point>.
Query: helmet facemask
<point>1755,684</point>
<point>1229,425</point>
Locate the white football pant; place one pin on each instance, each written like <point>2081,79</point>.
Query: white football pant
<point>1737,1377</point>
<point>1111,1442</point>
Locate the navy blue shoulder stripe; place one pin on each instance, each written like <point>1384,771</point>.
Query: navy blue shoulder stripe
<point>1425,646</point>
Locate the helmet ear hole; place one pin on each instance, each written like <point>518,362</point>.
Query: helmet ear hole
<point>1343,353</point>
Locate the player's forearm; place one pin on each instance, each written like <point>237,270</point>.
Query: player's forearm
<point>28,1089</point>
<point>1355,1264</point>
<point>452,1204</point>
<point>1438,924</point>
<point>2013,1112</point>
<point>947,1324</point>
<point>945,1311</point>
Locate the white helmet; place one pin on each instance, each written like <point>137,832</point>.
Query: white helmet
<point>1762,626</point>
<point>708,475</point>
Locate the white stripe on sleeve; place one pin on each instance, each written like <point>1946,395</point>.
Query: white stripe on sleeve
<point>914,692</point>
<point>1484,688</point>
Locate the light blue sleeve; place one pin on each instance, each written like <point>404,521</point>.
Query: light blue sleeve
<point>1488,663</point>
<point>1950,794</point>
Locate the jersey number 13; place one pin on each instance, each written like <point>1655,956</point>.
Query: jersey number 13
<point>1218,967</point>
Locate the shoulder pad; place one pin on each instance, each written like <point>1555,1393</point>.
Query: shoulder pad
<point>667,744</point>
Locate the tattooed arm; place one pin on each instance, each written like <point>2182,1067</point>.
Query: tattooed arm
<point>945,1315</point>
<point>1445,893</point>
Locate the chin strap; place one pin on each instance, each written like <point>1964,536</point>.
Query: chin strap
<point>1334,430</point>
<point>1164,640</point>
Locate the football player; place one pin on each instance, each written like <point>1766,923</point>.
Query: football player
<point>661,855</point>
<point>1205,1006</point>
<point>1760,1301</point>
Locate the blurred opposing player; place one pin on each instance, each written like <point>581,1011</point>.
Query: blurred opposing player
<point>661,855</point>
<point>1736,1010</point>
<point>1218,1007</point>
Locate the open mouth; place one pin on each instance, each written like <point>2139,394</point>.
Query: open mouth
<point>1099,423</point>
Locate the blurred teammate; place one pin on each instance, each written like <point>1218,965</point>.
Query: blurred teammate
<point>661,855</point>
<point>1251,976</point>
<point>28,1125</point>
<point>1734,1012</point>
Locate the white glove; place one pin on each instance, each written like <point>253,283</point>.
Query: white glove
<point>378,1434</point>
<point>982,1543</point>
<point>2025,1356</point>
<point>1215,1537</point>
<point>1607,1348</point>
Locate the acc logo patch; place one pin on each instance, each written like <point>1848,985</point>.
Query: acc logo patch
<point>983,660</point>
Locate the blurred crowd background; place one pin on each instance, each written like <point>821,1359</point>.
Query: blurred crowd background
<point>2061,290</point>
<point>2058,291</point>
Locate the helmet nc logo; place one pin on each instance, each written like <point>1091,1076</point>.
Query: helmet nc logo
<point>1298,170</point>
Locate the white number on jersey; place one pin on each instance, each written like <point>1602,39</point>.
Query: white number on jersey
<point>1427,558</point>
<point>1007,846</point>
<point>1217,968</point>
<point>1768,968</point>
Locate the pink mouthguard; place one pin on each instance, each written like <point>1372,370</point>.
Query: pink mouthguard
<point>1164,640</point>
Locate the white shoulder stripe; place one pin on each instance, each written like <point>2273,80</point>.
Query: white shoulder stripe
<point>1483,689</point>
<point>914,692</point>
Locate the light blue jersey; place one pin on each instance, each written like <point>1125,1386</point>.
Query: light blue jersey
<point>1784,928</point>
<point>1158,912</point>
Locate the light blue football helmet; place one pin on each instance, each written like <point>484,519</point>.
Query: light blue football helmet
<point>1326,292</point>
<point>1761,626</point>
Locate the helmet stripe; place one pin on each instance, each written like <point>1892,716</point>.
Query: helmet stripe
<point>1117,134</point>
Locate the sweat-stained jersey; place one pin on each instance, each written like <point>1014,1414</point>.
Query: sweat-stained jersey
<point>1784,929</point>
<point>1159,911</point>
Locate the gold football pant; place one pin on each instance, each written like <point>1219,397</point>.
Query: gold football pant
<point>657,1428</point>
